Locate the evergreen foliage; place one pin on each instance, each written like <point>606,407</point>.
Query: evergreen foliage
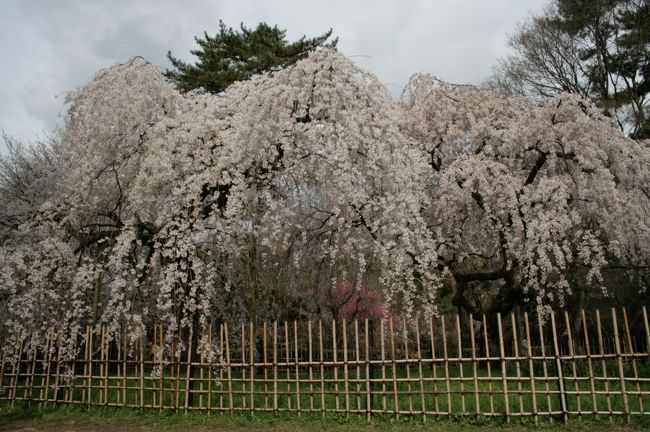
<point>233,55</point>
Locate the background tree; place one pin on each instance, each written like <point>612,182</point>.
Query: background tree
<point>27,179</point>
<point>233,55</point>
<point>597,49</point>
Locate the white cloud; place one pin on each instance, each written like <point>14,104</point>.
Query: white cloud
<point>52,47</point>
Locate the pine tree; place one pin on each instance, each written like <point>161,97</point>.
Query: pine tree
<point>233,55</point>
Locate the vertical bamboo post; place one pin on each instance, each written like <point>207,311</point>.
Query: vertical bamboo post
<point>229,365</point>
<point>540,325</point>
<point>102,395</point>
<point>58,369</point>
<point>420,371</point>
<point>275,366</point>
<point>603,363</point>
<point>38,386</point>
<point>394,363</point>
<point>222,350</point>
<point>74,366</point>
<point>26,353</point>
<point>46,360</point>
<point>69,380</point>
<point>297,365</point>
<point>11,374</point>
<point>322,367</point>
<point>560,372</point>
<point>358,370</point>
<point>251,357</point>
<point>574,370</point>
<point>43,393</point>
<point>89,342</point>
<point>531,368</point>
<point>154,350</point>
<point>106,362</point>
<point>177,388</point>
<point>33,384</point>
<point>30,373</point>
<point>311,370</point>
<point>266,373</point>
<point>336,368</point>
<point>23,346</point>
<point>592,384</point>
<point>472,339</point>
<point>434,367</point>
<point>141,364</point>
<point>16,366</point>
<point>2,360</point>
<point>504,369</point>
<point>489,364</point>
<point>29,389</point>
<point>515,340</point>
<point>408,367</point>
<point>24,350</point>
<point>445,353</point>
<point>346,387</point>
<point>87,374</point>
<point>287,359</point>
<point>243,365</point>
<point>124,363</point>
<point>368,395</point>
<point>647,328</point>
<point>118,343</point>
<point>211,359</point>
<point>201,358</point>
<point>630,350</point>
<point>383,366</point>
<point>162,367</point>
<point>188,369</point>
<point>460,365</point>
<point>120,372</point>
<point>28,365</point>
<point>621,370</point>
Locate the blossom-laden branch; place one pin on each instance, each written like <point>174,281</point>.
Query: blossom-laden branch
<point>187,209</point>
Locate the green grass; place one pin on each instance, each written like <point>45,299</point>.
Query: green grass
<point>73,418</point>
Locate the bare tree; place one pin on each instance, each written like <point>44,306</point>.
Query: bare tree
<point>596,49</point>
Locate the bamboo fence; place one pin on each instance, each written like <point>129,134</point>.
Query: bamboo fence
<point>550,367</point>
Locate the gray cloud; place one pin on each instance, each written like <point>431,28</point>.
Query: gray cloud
<point>52,47</point>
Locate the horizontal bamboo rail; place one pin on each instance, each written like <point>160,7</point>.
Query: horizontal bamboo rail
<point>553,367</point>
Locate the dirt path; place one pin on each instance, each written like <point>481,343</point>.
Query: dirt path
<point>67,426</point>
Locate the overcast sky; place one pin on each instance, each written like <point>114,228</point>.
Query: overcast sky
<point>51,47</point>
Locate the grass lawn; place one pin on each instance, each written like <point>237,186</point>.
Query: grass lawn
<point>95,419</point>
<point>443,390</point>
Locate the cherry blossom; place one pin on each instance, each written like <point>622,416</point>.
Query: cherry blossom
<point>190,209</point>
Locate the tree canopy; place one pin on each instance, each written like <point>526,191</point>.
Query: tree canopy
<point>233,55</point>
<point>597,49</point>
<point>270,199</point>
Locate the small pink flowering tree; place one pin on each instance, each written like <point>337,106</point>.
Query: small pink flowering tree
<point>345,301</point>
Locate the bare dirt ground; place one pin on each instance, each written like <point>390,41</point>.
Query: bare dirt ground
<point>72,426</point>
<point>90,426</point>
